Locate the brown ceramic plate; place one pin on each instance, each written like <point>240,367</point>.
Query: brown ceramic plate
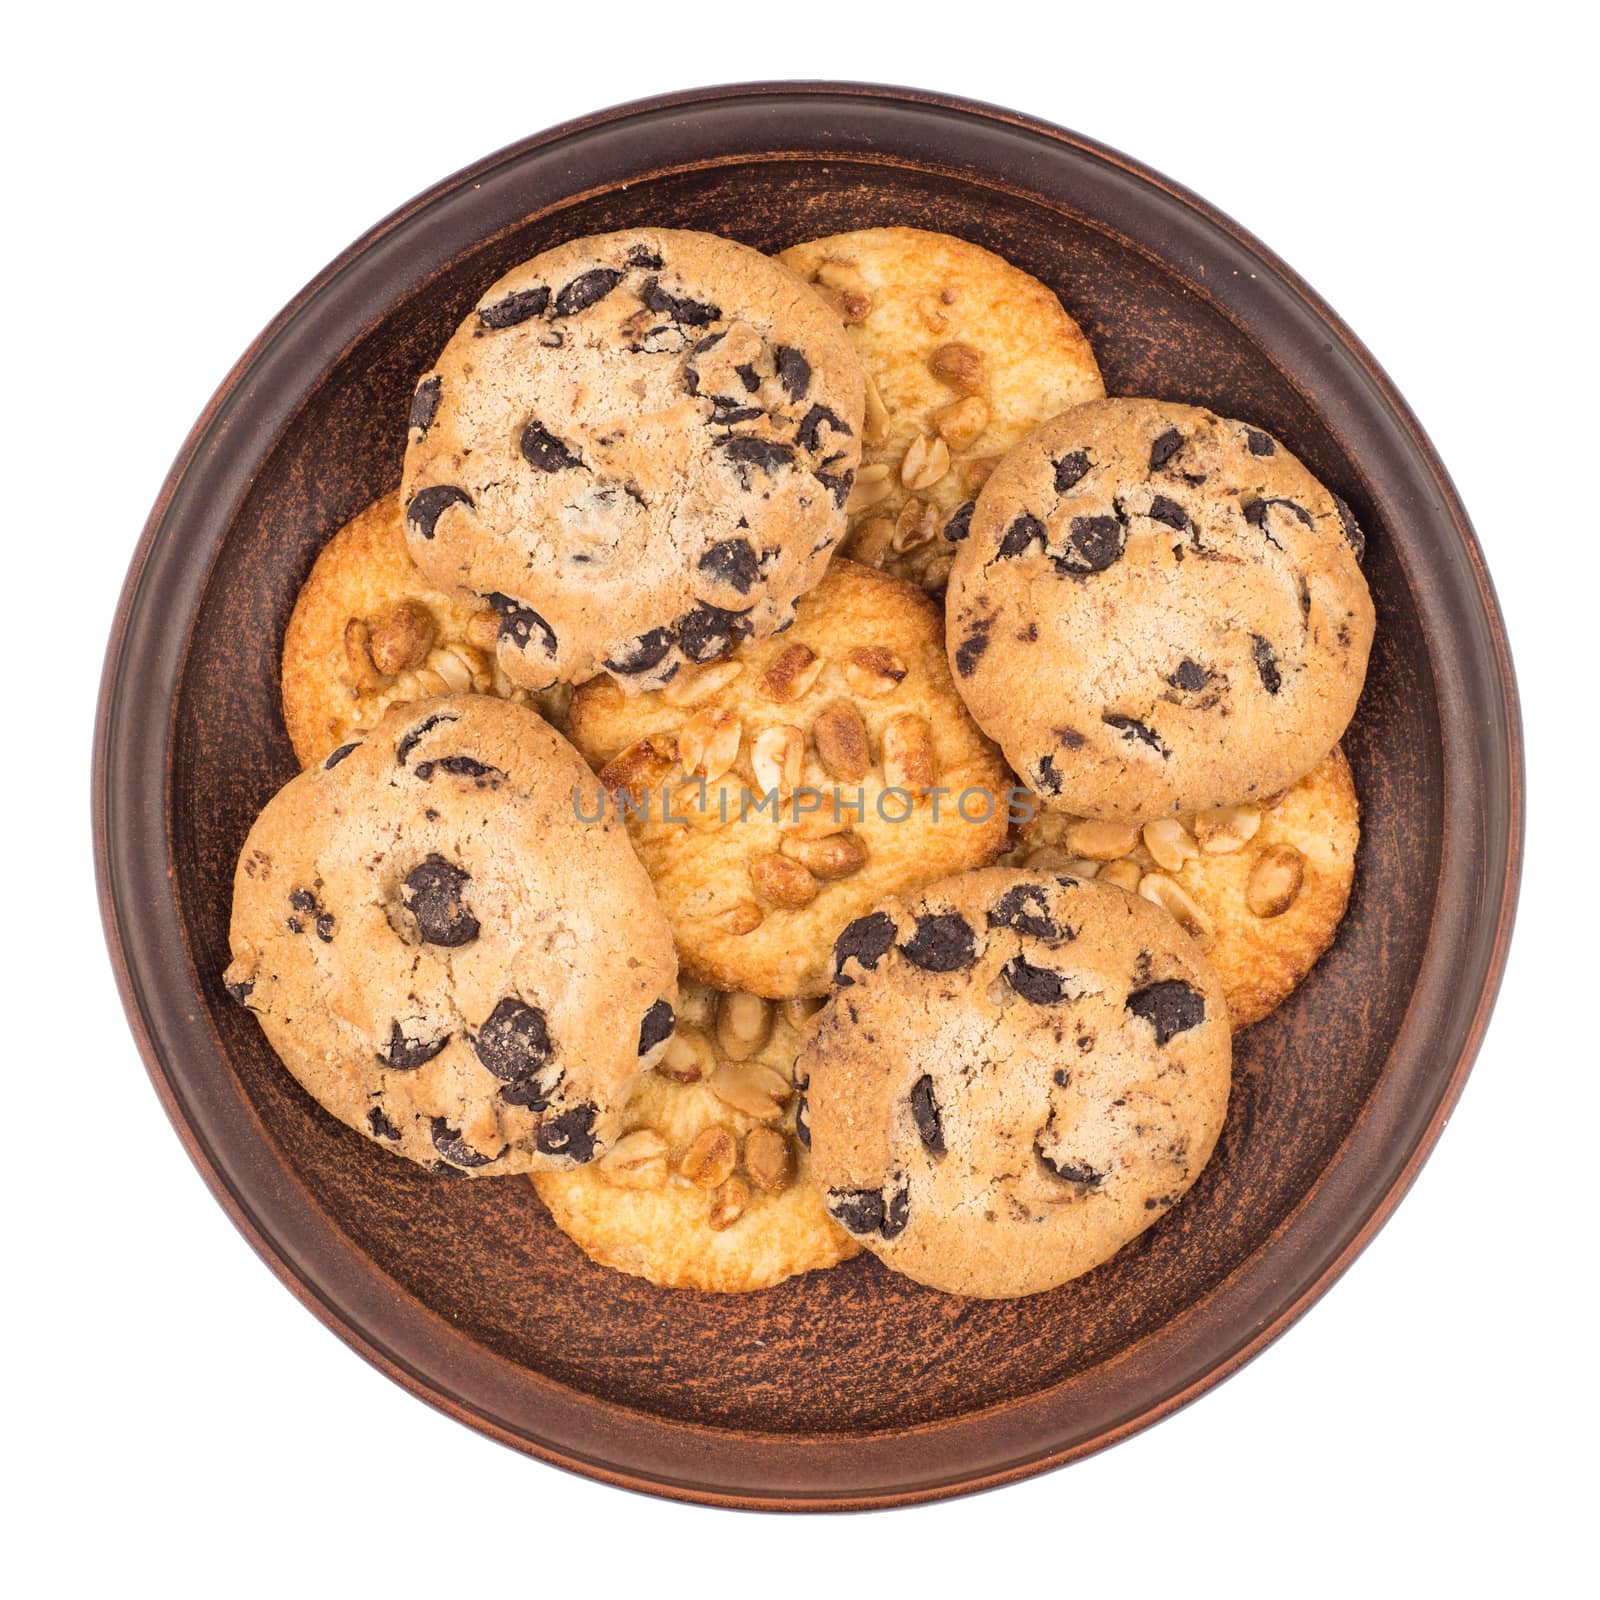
<point>852,1387</point>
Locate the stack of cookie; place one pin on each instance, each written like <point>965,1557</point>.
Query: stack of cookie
<point>655,788</point>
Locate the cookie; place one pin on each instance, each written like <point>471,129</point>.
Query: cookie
<point>639,447</point>
<point>1018,1073</point>
<point>1158,611</point>
<point>708,1188</point>
<point>1262,888</point>
<point>964,355</point>
<point>779,794</point>
<point>368,631</point>
<point>442,954</point>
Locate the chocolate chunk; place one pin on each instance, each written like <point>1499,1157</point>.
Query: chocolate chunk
<point>838,485</point>
<point>1352,529</point>
<point>638,655</point>
<point>433,895</point>
<point>1189,676</point>
<point>1255,513</point>
<point>544,452</point>
<point>643,256</point>
<point>406,1055</point>
<point>1070,738</point>
<point>725,412</point>
<point>857,1211</point>
<point>515,308</point>
<point>1070,469</point>
<point>925,1112</point>
<point>1021,536</point>
<point>424,403</point>
<point>1039,985</point>
<point>240,993</point>
<point>380,1126</point>
<point>1093,544</point>
<point>802,1121</point>
<point>896,1214</point>
<point>1165,448</point>
<point>303,900</point>
<point>794,371</point>
<point>1168,511</point>
<point>585,289</point>
<point>339,754</point>
<point>765,455</point>
<point>867,939</point>
<point>808,432</point>
<point>1260,443</point>
<point>521,626</point>
<point>971,649</point>
<point>708,630</point>
<point>659,1022</point>
<point>324,927</point>
<point>1267,665</point>
<point>749,377</point>
<point>457,767</point>
<point>413,736</point>
<point>1135,732</point>
<point>959,523</point>
<point>1171,1006</point>
<point>688,313</point>
<point>570,1134</point>
<point>514,1044</point>
<point>942,942</point>
<point>449,1143</point>
<point>733,562</point>
<point>1024,909</point>
<point>1046,779</point>
<point>428,505</point>
<point>1079,1172</point>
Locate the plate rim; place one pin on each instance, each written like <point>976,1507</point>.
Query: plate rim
<point>118,921</point>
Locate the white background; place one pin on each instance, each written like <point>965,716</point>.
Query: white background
<point>174,1419</point>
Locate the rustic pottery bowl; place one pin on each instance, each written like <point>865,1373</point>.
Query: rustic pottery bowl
<point>853,1387</point>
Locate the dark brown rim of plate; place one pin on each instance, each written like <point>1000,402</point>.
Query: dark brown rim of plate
<point>1479,869</point>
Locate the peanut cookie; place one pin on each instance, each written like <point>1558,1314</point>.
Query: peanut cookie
<point>368,631</point>
<point>1018,1072</point>
<point>778,794</point>
<point>1158,611</point>
<point>964,354</point>
<point>639,446</point>
<point>708,1187</point>
<point>443,955</point>
<point>1261,888</point>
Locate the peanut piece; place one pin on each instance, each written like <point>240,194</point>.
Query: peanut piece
<point>711,1156</point>
<point>775,758</point>
<point>959,365</point>
<point>1169,843</point>
<point>708,743</point>
<point>643,766</point>
<point>749,1086</point>
<point>926,461</point>
<point>767,1160</point>
<point>1125,874</point>
<point>780,881</point>
<point>636,1161</point>
<point>871,671</point>
<point>1275,881</point>
<point>483,631</point>
<point>837,856</point>
<point>744,1024</point>
<point>403,638</point>
<point>1227,829</point>
<point>908,758</point>
<point>690,684</point>
<point>917,525</point>
<point>1163,891</point>
<point>728,1204</point>
<point>960,424</point>
<point>1101,841</point>
<point>875,423</point>
<point>791,675</point>
<point>358,655</point>
<point>840,736</point>
<point>688,1057</point>
<point>871,484</point>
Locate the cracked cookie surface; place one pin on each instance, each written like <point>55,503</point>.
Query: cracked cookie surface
<point>638,446</point>
<point>1262,888</point>
<point>1016,1074</point>
<point>964,354</point>
<point>708,1186</point>
<point>884,783</point>
<point>442,954</point>
<point>1158,610</point>
<point>368,631</point>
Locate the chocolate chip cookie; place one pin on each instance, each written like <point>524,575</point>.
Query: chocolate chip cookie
<point>1158,611</point>
<point>1262,888</point>
<point>369,631</point>
<point>1017,1073</point>
<point>708,1187</point>
<point>778,794</point>
<point>443,955</point>
<point>964,354</point>
<point>639,447</point>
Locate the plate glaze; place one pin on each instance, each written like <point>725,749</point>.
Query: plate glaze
<point>849,1388</point>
